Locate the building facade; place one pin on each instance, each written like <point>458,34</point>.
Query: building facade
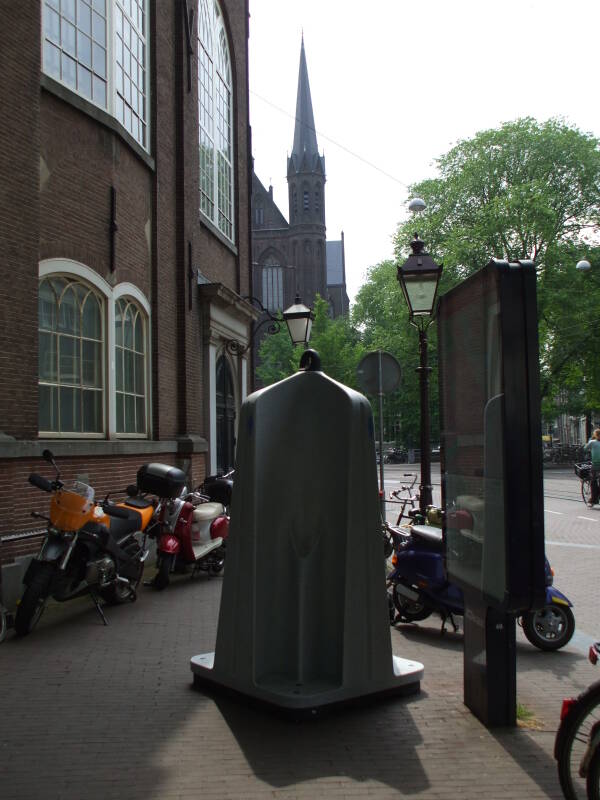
<point>125,234</point>
<point>293,256</point>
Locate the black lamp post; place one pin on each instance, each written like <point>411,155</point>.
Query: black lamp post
<point>419,277</point>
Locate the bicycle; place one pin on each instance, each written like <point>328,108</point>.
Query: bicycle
<point>405,496</point>
<point>577,743</point>
<point>583,470</point>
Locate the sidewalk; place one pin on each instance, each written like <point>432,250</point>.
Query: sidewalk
<point>90,712</point>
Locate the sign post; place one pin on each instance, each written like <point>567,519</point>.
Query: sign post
<point>379,373</point>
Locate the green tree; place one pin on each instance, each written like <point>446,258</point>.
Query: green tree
<point>524,190</point>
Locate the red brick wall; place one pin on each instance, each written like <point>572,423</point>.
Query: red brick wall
<point>19,215</point>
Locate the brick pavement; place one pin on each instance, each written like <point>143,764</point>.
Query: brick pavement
<point>108,712</point>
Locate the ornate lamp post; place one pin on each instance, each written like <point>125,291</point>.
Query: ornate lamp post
<point>419,277</point>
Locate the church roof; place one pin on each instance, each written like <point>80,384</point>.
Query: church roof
<point>305,151</point>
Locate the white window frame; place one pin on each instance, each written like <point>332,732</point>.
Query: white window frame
<point>73,269</point>
<point>112,70</point>
<point>208,59</point>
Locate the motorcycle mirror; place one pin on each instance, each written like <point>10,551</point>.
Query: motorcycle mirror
<point>48,456</point>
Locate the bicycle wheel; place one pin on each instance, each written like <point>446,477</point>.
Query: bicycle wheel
<point>575,740</point>
<point>586,490</point>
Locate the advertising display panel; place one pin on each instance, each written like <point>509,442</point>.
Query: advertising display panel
<point>491,432</point>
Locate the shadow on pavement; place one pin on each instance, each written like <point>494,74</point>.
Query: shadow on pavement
<point>368,743</point>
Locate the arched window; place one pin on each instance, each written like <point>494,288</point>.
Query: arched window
<point>215,118</point>
<point>71,357</point>
<point>99,49</point>
<point>130,367</point>
<point>272,284</point>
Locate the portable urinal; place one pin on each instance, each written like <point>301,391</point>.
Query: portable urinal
<point>304,620</point>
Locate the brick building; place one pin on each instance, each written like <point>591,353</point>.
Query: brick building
<point>125,240</point>
<point>293,255</point>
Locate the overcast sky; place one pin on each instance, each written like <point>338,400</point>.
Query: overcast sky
<point>395,83</point>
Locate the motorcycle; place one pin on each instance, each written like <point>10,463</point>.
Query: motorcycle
<point>192,526</point>
<point>89,548</point>
<point>418,586</point>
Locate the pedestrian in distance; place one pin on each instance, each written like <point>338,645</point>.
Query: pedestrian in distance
<point>594,448</point>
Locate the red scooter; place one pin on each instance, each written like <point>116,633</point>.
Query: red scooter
<point>193,526</point>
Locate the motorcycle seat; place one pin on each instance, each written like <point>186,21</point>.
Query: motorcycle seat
<point>429,533</point>
<point>121,528</point>
<point>137,502</point>
<point>207,511</point>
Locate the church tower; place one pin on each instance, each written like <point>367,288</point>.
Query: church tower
<point>306,192</point>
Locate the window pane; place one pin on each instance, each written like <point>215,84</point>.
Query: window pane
<point>119,323</point>
<point>139,374</point>
<point>140,415</point>
<point>51,60</point>
<point>68,9</point>
<point>48,408</point>
<point>47,357</point>
<point>128,329</point>
<point>51,24</point>
<point>84,81</point>
<point>47,307</point>
<point>99,28</point>
<point>70,420</point>
<point>91,321</point>
<point>67,37</point>
<point>68,70</point>
<point>99,87</point>
<point>84,17</point>
<point>68,315</point>
<point>128,371</point>
<point>119,369</point>
<point>99,60</point>
<point>120,420</point>
<point>129,413</point>
<point>84,49</point>
<point>91,363</point>
<point>100,6</point>
<point>68,359</point>
<point>139,334</point>
<point>92,412</point>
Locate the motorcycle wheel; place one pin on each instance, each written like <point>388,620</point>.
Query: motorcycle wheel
<point>161,579</point>
<point>550,628</point>
<point>120,593</point>
<point>410,610</point>
<point>34,600</point>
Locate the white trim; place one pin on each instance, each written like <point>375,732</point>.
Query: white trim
<point>51,266</point>
<point>212,394</point>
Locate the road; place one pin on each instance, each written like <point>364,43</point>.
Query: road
<point>572,533</point>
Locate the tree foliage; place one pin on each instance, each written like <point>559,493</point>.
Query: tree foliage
<point>525,190</point>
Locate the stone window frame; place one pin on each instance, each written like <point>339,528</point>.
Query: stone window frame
<point>99,50</point>
<point>215,119</point>
<point>75,271</point>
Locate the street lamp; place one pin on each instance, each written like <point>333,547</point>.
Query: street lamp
<point>419,277</point>
<point>299,319</point>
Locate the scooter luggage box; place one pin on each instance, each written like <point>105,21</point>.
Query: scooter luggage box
<point>218,489</point>
<point>161,480</point>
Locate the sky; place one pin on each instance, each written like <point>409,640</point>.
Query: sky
<point>396,83</point>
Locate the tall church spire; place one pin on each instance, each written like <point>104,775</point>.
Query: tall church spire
<point>305,136</point>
